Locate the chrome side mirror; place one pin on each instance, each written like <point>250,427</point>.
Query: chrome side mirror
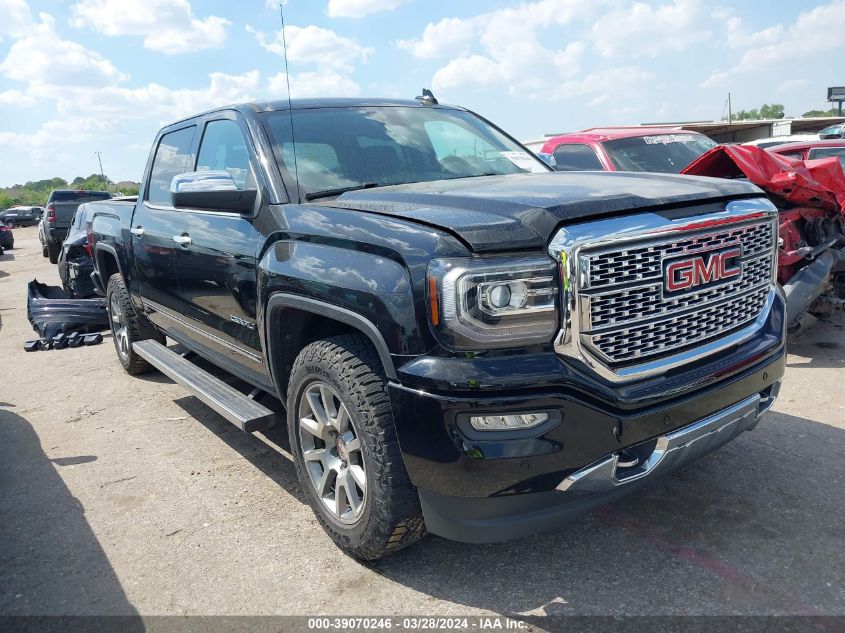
<point>203,181</point>
<point>211,191</point>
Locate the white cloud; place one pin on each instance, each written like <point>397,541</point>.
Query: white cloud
<point>602,85</point>
<point>313,84</point>
<point>791,85</point>
<point>15,17</point>
<point>360,8</point>
<point>640,30</point>
<point>42,59</point>
<point>167,104</point>
<point>41,144</point>
<point>314,45</point>
<point>816,31</point>
<point>167,26</point>
<point>511,53</point>
<point>87,114</point>
<point>447,36</point>
<point>16,98</point>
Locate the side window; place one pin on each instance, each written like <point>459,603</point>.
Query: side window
<point>173,157</point>
<point>223,148</point>
<point>576,157</point>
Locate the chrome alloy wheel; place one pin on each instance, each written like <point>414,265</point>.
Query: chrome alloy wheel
<point>118,326</point>
<point>331,449</point>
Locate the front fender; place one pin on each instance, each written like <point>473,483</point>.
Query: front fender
<point>374,288</point>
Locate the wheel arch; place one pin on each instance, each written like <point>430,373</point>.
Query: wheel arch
<point>107,263</point>
<point>308,320</point>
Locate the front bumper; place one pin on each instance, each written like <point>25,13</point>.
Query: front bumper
<point>488,486</point>
<point>492,519</point>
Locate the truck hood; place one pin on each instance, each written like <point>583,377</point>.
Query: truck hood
<point>522,211</point>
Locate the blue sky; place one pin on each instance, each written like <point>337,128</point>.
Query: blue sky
<point>79,76</point>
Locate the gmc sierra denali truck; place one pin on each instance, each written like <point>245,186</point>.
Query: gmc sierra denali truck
<point>466,342</point>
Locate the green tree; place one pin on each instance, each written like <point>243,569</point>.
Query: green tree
<point>815,113</point>
<point>766,111</point>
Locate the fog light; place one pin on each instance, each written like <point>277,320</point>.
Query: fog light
<point>507,422</point>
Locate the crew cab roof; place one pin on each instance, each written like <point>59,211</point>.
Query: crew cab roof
<point>280,105</point>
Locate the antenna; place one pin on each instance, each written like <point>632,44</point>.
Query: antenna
<point>290,103</point>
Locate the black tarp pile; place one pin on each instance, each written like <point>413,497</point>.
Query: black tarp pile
<point>61,321</point>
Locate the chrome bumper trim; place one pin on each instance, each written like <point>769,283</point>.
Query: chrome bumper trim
<point>673,449</point>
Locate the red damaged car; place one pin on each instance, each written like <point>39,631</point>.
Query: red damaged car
<point>811,150</point>
<point>666,150</point>
<point>810,195</point>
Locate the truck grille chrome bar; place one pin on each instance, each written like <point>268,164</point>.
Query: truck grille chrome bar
<point>644,293</point>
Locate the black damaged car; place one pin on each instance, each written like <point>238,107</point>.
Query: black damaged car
<point>466,342</point>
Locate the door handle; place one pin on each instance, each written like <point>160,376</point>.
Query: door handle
<point>183,240</point>
<point>137,231</point>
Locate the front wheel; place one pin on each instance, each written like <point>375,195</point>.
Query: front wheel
<point>125,326</point>
<point>347,457</point>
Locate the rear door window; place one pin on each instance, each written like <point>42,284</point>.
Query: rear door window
<point>173,157</point>
<point>576,157</point>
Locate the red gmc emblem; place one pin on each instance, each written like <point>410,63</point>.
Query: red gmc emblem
<point>706,269</point>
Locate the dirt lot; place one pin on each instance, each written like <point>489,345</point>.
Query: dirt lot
<point>125,495</point>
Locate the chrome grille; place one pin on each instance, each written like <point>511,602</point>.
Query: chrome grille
<point>626,317</point>
<point>641,262</point>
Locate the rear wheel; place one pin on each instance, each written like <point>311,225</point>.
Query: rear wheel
<point>125,326</point>
<point>347,457</point>
<point>53,252</point>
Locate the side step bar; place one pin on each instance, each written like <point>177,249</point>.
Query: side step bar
<point>239,409</point>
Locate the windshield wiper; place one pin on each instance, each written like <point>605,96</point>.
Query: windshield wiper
<point>326,193</point>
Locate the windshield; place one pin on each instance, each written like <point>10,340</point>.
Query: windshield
<point>79,196</point>
<point>342,148</point>
<point>667,153</point>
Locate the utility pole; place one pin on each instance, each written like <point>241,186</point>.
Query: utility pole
<point>100,160</point>
<point>730,115</point>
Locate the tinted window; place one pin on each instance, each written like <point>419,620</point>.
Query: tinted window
<point>223,148</point>
<point>79,196</point>
<point>173,157</point>
<point>576,157</point>
<point>825,152</point>
<point>667,153</point>
<point>347,147</point>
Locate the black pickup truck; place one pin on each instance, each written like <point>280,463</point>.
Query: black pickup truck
<point>465,342</point>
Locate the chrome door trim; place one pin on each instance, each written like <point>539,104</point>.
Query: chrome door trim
<point>170,315</point>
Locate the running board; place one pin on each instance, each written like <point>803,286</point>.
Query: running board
<point>239,409</point>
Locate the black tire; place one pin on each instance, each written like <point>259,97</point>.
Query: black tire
<point>10,224</point>
<point>44,251</point>
<point>391,517</point>
<point>53,251</point>
<point>120,306</point>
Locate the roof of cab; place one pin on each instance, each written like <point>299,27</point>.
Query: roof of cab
<point>305,104</point>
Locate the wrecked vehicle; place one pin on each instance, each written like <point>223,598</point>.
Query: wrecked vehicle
<point>810,197</point>
<point>75,264</point>
<point>466,342</point>
<point>51,312</point>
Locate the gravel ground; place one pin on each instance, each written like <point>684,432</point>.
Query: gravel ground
<point>125,495</point>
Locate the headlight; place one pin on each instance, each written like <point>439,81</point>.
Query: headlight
<point>493,302</point>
